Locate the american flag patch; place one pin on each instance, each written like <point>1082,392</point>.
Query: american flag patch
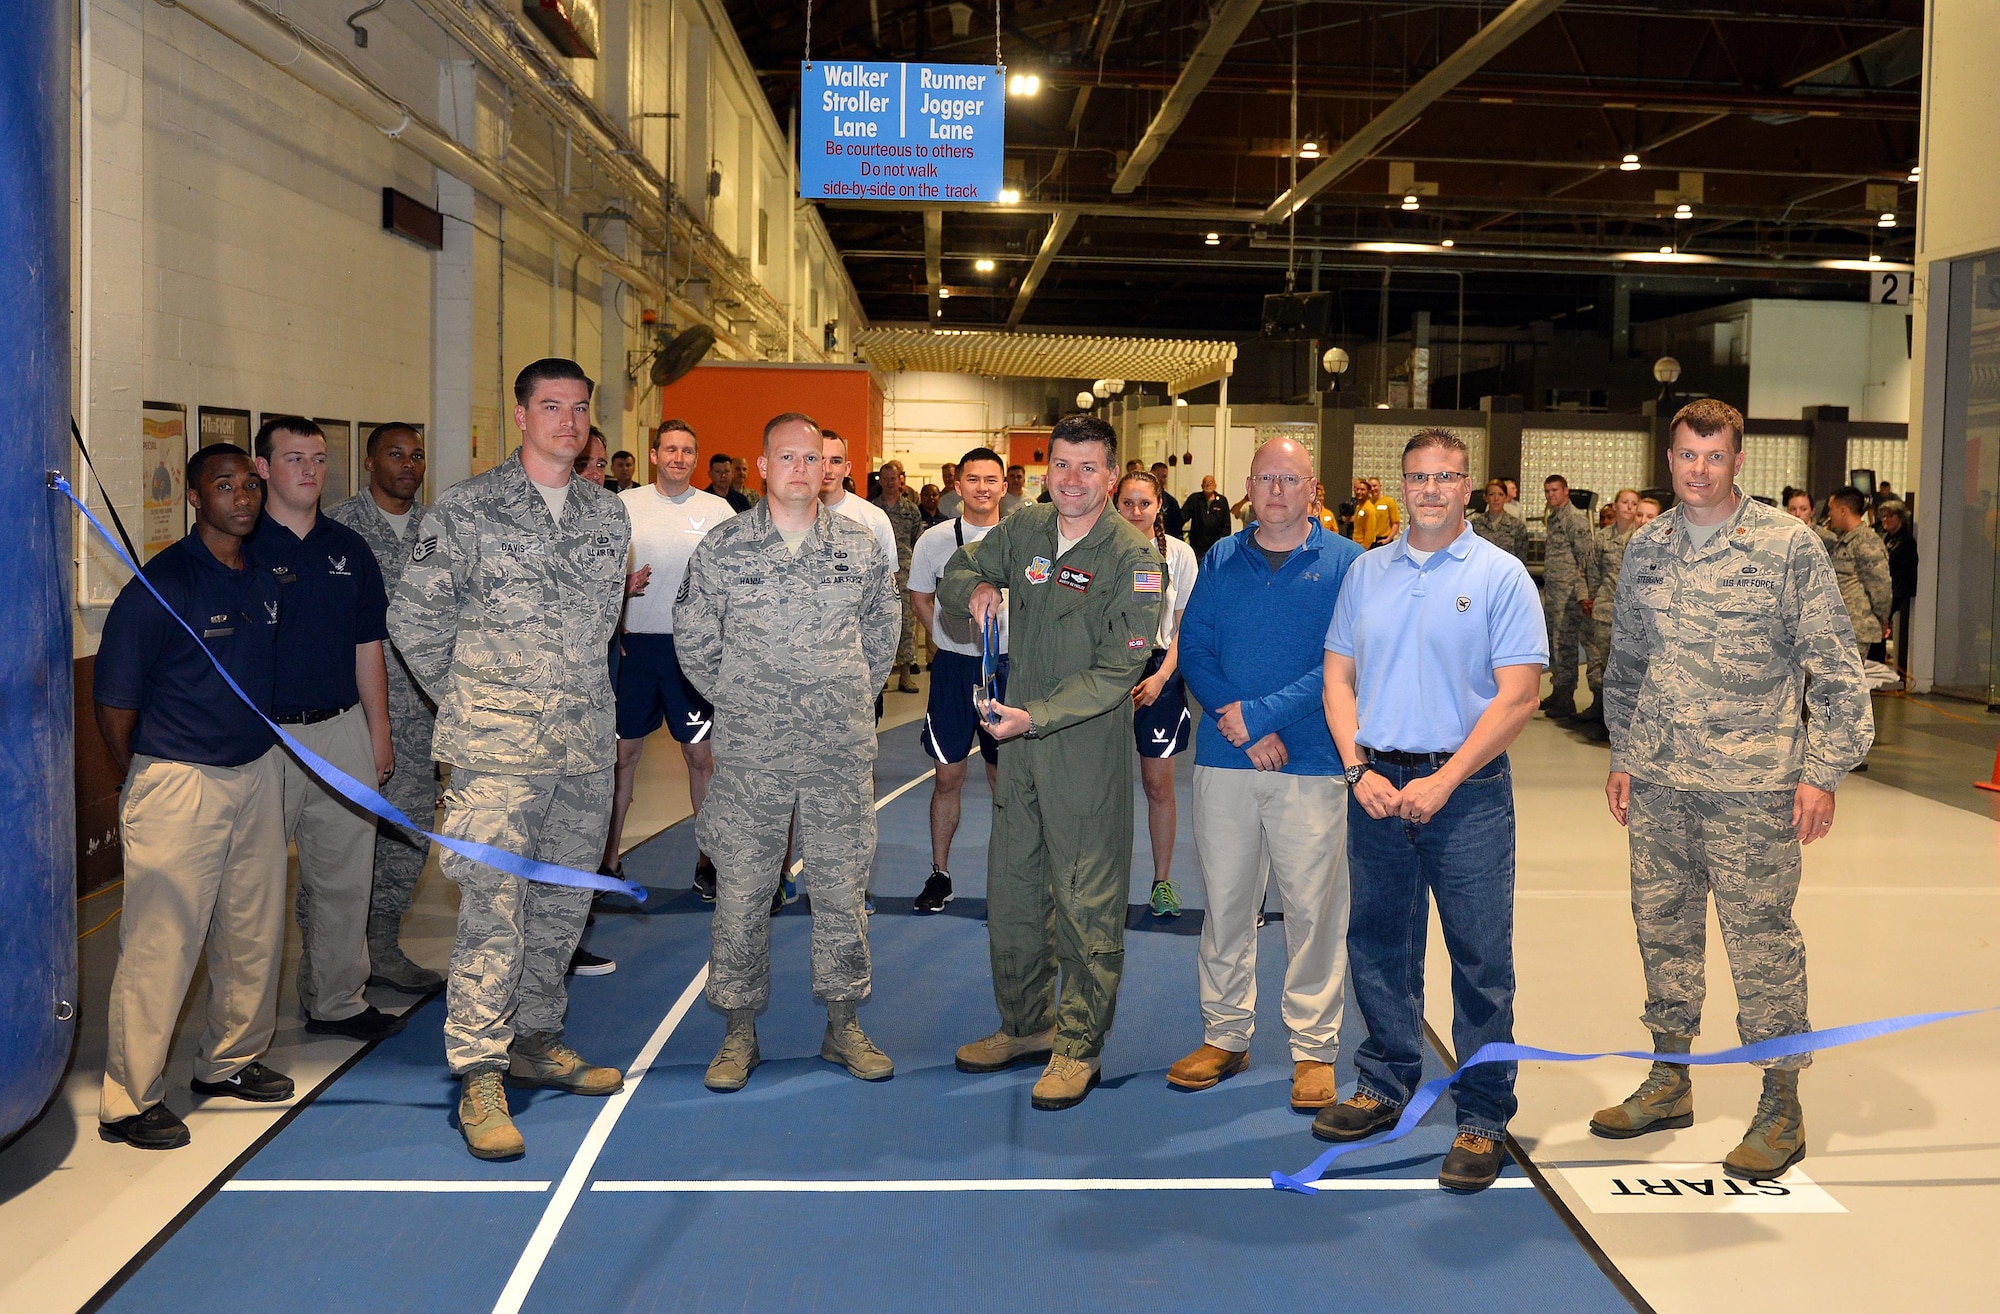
<point>1146,581</point>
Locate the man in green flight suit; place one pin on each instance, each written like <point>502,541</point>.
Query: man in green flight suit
<point>1084,592</point>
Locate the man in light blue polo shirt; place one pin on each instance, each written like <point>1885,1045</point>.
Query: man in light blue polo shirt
<point>1433,664</point>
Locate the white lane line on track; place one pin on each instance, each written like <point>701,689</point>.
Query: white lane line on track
<point>530,1264</point>
<point>950,1185</point>
<point>440,1186</point>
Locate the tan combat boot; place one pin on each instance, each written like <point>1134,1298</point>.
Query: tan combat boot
<point>1663,1102</point>
<point>730,1068</point>
<point>535,1061</point>
<point>483,1119</point>
<point>849,1046</point>
<point>1000,1051</point>
<point>1777,1136</point>
<point>1064,1082</point>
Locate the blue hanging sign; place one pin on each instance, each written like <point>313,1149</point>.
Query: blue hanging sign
<point>922,133</point>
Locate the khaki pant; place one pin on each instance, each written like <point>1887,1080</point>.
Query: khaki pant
<point>1248,823</point>
<point>336,867</point>
<point>204,871</point>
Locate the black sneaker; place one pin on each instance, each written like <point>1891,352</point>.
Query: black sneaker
<point>370,1023</point>
<point>937,892</point>
<point>585,963</point>
<point>704,878</point>
<point>155,1129</point>
<point>1355,1118</point>
<point>1472,1164</point>
<point>256,1083</point>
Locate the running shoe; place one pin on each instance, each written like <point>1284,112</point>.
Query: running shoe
<point>788,887</point>
<point>704,878</point>
<point>1166,899</point>
<point>585,963</point>
<point>937,892</point>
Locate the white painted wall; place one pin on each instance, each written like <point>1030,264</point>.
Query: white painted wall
<point>1827,353</point>
<point>929,419</point>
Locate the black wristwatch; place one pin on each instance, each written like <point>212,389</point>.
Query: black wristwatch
<point>1031,732</point>
<point>1354,774</point>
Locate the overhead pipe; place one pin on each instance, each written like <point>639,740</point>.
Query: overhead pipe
<point>277,41</point>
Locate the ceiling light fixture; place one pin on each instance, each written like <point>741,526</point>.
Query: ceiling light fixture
<point>1684,211</point>
<point>1447,242</point>
<point>1023,84</point>
<point>1213,239</point>
<point>1666,250</point>
<point>1410,201</point>
<point>983,266</point>
<point>1309,151</point>
<point>1010,196</point>
<point>1630,164</point>
<point>1916,173</point>
<point>944,294</point>
<point>1888,219</point>
<point>1875,259</point>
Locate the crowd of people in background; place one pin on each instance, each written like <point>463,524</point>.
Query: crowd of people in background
<point>1350,679</point>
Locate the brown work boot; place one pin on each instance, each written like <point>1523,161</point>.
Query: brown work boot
<point>483,1119</point>
<point>1355,1118</point>
<point>1312,1085</point>
<point>1207,1066</point>
<point>1663,1102</point>
<point>1000,1051</point>
<point>1064,1082</point>
<point>1777,1136</point>
<point>1472,1163</point>
<point>538,1061</point>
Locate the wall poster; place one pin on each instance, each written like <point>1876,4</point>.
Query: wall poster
<point>224,424</point>
<point>164,517</point>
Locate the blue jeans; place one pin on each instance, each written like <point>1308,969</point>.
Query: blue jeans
<point>1464,857</point>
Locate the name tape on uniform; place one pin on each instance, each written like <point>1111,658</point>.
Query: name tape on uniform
<point>1693,1188</point>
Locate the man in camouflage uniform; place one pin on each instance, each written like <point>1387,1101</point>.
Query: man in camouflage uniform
<point>1563,592</point>
<point>1736,705</point>
<point>1600,574</point>
<point>1860,565</point>
<point>906,517</point>
<point>504,613</point>
<point>1506,532</point>
<point>387,514</point>
<point>786,621</point>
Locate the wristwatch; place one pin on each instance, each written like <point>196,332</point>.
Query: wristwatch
<point>1354,773</point>
<point>1031,732</point>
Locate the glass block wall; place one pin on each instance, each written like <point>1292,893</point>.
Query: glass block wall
<point>1773,462</point>
<point>1887,457</point>
<point>1378,454</point>
<point>1601,460</point>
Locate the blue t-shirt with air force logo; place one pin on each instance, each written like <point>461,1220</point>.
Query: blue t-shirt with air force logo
<point>1426,638</point>
<point>334,601</point>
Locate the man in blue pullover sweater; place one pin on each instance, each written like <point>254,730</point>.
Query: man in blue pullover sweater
<point>1267,780</point>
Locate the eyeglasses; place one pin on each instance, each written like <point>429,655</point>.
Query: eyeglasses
<point>1442,478</point>
<point>1289,482</point>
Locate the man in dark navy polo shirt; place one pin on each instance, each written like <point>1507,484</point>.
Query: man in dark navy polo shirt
<point>332,692</point>
<point>201,818</point>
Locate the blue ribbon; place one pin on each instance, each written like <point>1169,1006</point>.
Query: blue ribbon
<point>363,796</point>
<point>1502,1052</point>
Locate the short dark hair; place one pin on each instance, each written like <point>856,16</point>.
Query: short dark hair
<point>1555,479</point>
<point>548,370</point>
<point>274,425</point>
<point>199,462</point>
<point>1157,465</point>
<point>1850,497</point>
<point>380,434</point>
<point>1443,438</point>
<point>722,457</point>
<point>981,454</point>
<point>621,452</point>
<point>777,422</point>
<point>673,426</point>
<point>1082,428</point>
<point>1012,468</point>
<point>1707,417</point>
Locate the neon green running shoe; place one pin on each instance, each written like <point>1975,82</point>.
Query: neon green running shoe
<point>1166,899</point>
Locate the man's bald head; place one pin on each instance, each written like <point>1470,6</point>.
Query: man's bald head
<point>1283,454</point>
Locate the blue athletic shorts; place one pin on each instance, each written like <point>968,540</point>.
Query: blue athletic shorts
<point>1165,728</point>
<point>652,690</point>
<point>951,722</point>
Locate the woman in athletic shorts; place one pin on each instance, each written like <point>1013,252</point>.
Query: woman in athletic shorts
<point>1161,725</point>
